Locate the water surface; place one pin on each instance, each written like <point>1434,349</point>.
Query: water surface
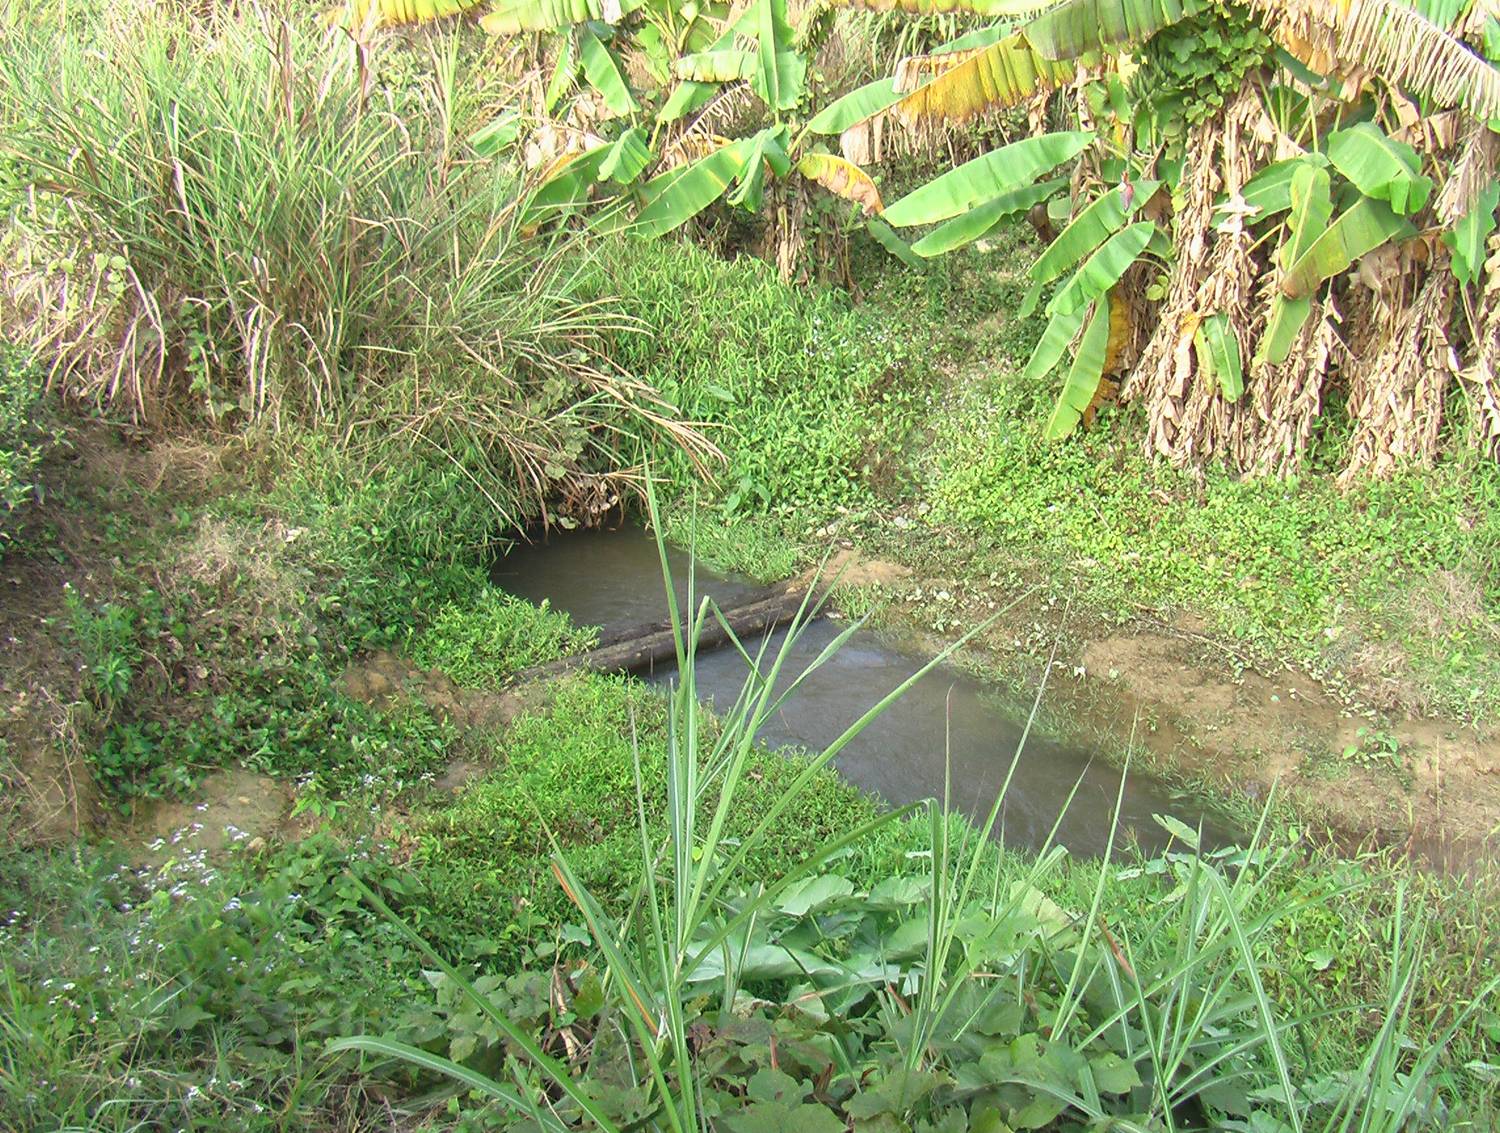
<point>948,726</point>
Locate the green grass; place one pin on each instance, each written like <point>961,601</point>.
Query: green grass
<point>25,439</point>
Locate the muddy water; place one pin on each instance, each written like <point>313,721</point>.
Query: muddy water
<point>947,724</point>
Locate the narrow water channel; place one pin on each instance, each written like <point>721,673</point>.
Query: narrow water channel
<point>614,578</point>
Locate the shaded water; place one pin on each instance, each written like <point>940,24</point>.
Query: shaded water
<point>614,578</point>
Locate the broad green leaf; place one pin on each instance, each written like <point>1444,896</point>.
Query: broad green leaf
<point>567,185</point>
<point>977,221</point>
<point>1083,376</point>
<point>886,237</point>
<point>780,70</point>
<point>1466,239</point>
<point>1269,192</point>
<point>765,149</point>
<point>1076,27</point>
<point>685,99</point>
<point>675,197</point>
<point>564,72</point>
<point>859,104</point>
<point>1087,231</point>
<point>512,16</point>
<point>627,157</point>
<point>843,179</point>
<point>1103,269</point>
<point>1053,344</point>
<point>1361,228</point>
<point>1311,209</point>
<point>986,177</point>
<point>500,134</point>
<point>1219,355</point>
<point>604,74</point>
<point>725,66</point>
<point>1380,166</point>
<point>981,37</point>
<point>811,893</point>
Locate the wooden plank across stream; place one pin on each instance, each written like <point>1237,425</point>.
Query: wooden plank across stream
<point>632,648</point>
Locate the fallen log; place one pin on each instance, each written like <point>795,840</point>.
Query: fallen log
<point>639,647</point>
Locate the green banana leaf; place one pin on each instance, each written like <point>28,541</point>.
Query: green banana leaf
<point>984,178</point>
<point>675,197</point>
<point>1269,192</point>
<point>1083,375</point>
<point>604,74</point>
<point>780,71</point>
<point>1077,27</point>
<point>1084,233</point>
<point>564,72</point>
<point>567,187</point>
<point>1103,269</point>
<point>1311,208</point>
<point>1219,355</point>
<point>686,98</point>
<point>886,237</point>
<point>859,104</point>
<point>1361,228</point>
<point>1467,238</point>
<point>977,221</point>
<point>724,66</point>
<point>1053,344</point>
<point>765,149</point>
<point>1380,167</point>
<point>982,37</point>
<point>627,157</point>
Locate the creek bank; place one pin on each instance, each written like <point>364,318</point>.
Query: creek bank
<point>1192,705</point>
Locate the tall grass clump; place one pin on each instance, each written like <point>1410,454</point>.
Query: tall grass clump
<point>953,994</point>
<point>241,218</point>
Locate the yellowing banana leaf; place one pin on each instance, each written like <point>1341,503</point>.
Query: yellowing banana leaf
<point>604,74</point>
<point>1380,166</point>
<point>1053,344</point>
<point>886,237</point>
<point>842,179</point>
<point>675,197</point>
<point>725,66</point>
<point>1103,269</point>
<point>1000,75</point>
<point>1076,27</point>
<point>1219,355</point>
<point>986,177</point>
<point>1466,239</point>
<point>935,7</point>
<point>627,158</point>
<point>1311,209</point>
<point>977,221</point>
<point>1087,231</point>
<point>1361,228</point>
<point>406,11</point>
<point>1269,192</point>
<point>512,16</point>
<point>859,104</point>
<point>1083,375</point>
<point>1388,38</point>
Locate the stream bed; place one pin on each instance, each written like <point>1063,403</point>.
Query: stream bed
<point>947,724</point>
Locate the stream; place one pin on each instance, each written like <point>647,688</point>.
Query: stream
<point>613,578</point>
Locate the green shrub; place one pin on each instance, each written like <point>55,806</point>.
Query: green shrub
<point>481,642</point>
<point>24,441</point>
<point>329,250</point>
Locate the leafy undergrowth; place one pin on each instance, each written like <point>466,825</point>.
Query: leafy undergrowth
<point>910,408</point>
